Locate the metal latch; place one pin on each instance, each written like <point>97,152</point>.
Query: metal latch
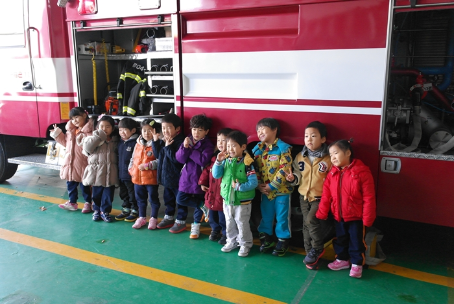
<point>390,165</point>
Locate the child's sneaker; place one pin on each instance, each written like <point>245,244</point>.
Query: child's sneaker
<point>178,227</point>
<point>214,236</point>
<point>132,217</point>
<point>313,256</point>
<point>356,271</point>
<point>96,216</point>
<point>195,231</point>
<point>106,217</point>
<point>141,221</point>
<point>266,242</point>
<point>229,247</point>
<point>339,264</point>
<point>205,213</point>
<point>87,208</point>
<point>124,214</point>
<point>244,251</point>
<point>68,206</point>
<point>165,223</point>
<point>223,240</point>
<point>152,223</point>
<point>281,247</point>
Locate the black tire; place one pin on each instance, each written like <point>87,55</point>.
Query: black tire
<point>7,170</point>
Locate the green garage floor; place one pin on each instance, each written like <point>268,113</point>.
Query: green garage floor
<point>57,256</point>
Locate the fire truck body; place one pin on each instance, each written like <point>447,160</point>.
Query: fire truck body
<point>369,69</point>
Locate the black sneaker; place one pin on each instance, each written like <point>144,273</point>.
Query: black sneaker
<point>281,247</point>
<point>106,217</point>
<point>223,240</point>
<point>96,216</point>
<point>215,236</point>
<point>132,217</point>
<point>313,256</point>
<point>123,215</point>
<point>266,242</point>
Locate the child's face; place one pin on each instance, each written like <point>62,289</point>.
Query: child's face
<point>266,135</point>
<point>168,130</point>
<point>339,158</point>
<point>221,142</point>
<point>126,133</point>
<point>79,120</point>
<point>147,132</point>
<point>199,133</point>
<point>312,139</point>
<point>235,149</point>
<point>106,127</point>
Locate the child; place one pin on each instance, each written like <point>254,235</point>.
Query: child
<point>128,137</point>
<point>144,175</point>
<point>195,153</point>
<point>310,169</point>
<point>168,167</point>
<point>102,170</point>
<point>237,189</point>
<point>273,160</point>
<point>353,206</point>
<point>212,188</point>
<point>75,162</point>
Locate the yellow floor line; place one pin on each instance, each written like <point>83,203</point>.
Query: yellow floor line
<point>149,273</point>
<point>383,267</point>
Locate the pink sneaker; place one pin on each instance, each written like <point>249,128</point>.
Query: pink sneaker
<point>356,271</point>
<point>141,221</point>
<point>339,264</point>
<point>68,206</point>
<point>87,208</point>
<point>152,223</point>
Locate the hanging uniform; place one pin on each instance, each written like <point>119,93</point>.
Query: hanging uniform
<point>138,103</point>
<point>131,75</point>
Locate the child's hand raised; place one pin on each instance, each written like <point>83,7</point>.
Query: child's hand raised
<point>221,156</point>
<point>55,127</point>
<point>168,140</point>
<point>155,134</point>
<point>289,175</point>
<point>187,142</point>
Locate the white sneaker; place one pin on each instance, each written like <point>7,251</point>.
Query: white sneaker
<point>229,247</point>
<point>195,231</point>
<point>244,251</point>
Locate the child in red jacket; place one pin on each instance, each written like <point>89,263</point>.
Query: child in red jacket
<point>212,188</point>
<point>349,193</point>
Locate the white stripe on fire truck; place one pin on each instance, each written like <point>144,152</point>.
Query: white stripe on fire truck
<point>40,99</point>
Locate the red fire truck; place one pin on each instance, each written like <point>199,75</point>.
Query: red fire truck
<point>378,71</point>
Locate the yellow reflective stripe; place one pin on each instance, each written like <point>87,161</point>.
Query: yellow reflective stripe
<point>142,94</point>
<point>134,76</point>
<point>122,77</point>
<point>125,108</point>
<point>130,110</point>
<point>119,96</point>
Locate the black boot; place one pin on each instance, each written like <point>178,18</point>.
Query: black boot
<point>266,241</point>
<point>281,247</point>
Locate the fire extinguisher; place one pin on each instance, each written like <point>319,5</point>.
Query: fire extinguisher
<point>111,103</point>
<point>87,7</point>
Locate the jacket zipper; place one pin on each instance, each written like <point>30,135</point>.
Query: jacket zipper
<point>340,195</point>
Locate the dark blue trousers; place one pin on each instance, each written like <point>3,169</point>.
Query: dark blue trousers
<point>185,200</point>
<point>349,243</point>
<point>217,221</point>
<point>103,198</point>
<point>74,194</point>
<point>128,195</point>
<point>150,192</point>
<point>170,200</point>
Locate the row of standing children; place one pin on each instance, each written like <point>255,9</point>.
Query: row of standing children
<point>221,186</point>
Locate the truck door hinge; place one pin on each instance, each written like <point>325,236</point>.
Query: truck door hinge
<point>413,3</point>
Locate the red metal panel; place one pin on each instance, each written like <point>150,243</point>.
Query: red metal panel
<point>418,193</point>
<point>333,25</point>
<point>18,117</point>
<point>49,114</point>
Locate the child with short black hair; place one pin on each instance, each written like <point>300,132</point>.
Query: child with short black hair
<point>238,184</point>
<point>75,162</point>
<point>127,128</point>
<point>349,193</point>
<point>144,176</point>
<point>212,188</point>
<point>102,170</point>
<point>273,158</point>
<point>168,167</point>
<point>195,153</point>
<point>310,168</point>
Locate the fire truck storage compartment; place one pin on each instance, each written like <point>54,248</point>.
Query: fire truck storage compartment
<point>419,115</point>
<point>122,45</point>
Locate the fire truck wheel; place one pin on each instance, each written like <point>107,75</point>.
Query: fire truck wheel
<point>6,170</point>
